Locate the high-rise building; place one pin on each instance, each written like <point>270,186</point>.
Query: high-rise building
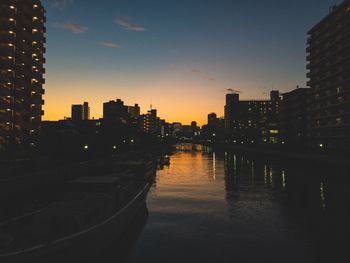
<point>252,120</point>
<point>293,118</point>
<point>80,112</point>
<point>149,121</point>
<point>115,111</point>
<point>329,80</point>
<point>134,111</point>
<point>22,51</point>
<point>212,119</point>
<point>86,111</point>
<point>231,108</point>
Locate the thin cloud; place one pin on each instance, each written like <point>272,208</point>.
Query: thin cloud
<point>73,27</point>
<point>127,24</point>
<point>109,44</point>
<point>203,75</point>
<point>59,4</point>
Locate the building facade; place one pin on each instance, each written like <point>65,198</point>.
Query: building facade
<point>293,118</point>
<point>80,112</point>
<point>329,80</point>
<point>22,30</point>
<point>252,121</point>
<point>115,111</point>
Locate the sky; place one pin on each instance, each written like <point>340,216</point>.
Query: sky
<point>180,56</point>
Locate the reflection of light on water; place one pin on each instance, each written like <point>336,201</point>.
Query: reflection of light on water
<point>283,180</point>
<point>214,166</point>
<point>235,163</point>
<point>271,178</point>
<point>323,197</point>
<point>265,174</point>
<point>253,171</point>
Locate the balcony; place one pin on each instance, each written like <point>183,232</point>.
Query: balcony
<point>4,104</point>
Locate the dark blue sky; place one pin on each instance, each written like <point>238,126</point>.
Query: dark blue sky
<point>174,53</point>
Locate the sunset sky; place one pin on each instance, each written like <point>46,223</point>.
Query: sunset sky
<point>178,55</point>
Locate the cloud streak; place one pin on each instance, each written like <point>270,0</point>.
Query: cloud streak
<point>60,4</point>
<point>127,24</point>
<point>202,74</point>
<point>109,44</point>
<point>71,26</point>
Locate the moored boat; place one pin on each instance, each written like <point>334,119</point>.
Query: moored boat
<point>92,213</point>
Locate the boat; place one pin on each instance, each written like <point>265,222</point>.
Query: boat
<point>142,169</point>
<point>92,213</point>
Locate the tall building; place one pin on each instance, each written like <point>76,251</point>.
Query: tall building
<point>329,80</point>
<point>77,113</point>
<point>252,120</point>
<point>22,51</point>
<point>115,111</point>
<point>293,118</point>
<point>231,108</point>
<point>80,112</point>
<point>86,111</point>
<point>134,111</point>
<point>149,122</point>
<point>212,119</point>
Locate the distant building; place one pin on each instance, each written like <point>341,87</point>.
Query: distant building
<point>21,70</point>
<point>293,118</point>
<point>115,111</point>
<point>252,120</point>
<point>86,111</point>
<point>134,111</point>
<point>194,127</point>
<point>212,119</point>
<point>329,80</point>
<point>231,109</point>
<point>148,122</point>
<point>177,129</point>
<point>80,112</point>
<point>77,113</point>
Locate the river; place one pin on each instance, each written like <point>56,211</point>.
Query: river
<point>224,207</point>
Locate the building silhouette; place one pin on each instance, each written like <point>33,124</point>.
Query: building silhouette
<point>149,121</point>
<point>21,69</point>
<point>134,111</point>
<point>86,111</point>
<point>293,118</point>
<point>329,80</point>
<point>115,111</point>
<point>251,121</point>
<point>80,112</point>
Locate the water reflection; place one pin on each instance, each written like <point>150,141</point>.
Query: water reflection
<point>222,207</point>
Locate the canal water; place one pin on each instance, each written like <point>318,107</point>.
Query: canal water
<point>223,207</point>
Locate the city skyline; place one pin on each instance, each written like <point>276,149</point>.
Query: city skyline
<point>179,57</point>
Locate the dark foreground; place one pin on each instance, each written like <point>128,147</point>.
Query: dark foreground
<point>217,207</point>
